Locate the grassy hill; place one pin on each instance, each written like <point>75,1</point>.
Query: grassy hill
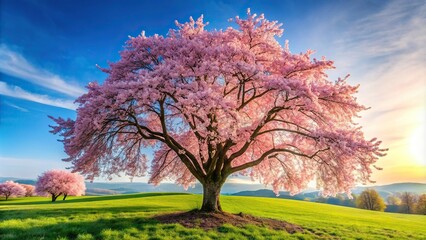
<point>129,217</point>
<point>384,191</point>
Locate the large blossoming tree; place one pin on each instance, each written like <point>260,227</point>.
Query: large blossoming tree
<point>216,103</point>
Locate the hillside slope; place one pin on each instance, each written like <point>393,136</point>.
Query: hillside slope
<point>129,217</point>
<point>240,189</point>
<point>384,191</point>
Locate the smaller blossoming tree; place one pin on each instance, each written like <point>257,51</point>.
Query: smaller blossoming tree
<point>60,182</point>
<point>11,189</point>
<point>29,190</point>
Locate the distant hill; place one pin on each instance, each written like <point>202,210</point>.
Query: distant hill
<point>238,189</point>
<point>135,187</point>
<point>100,192</point>
<point>399,187</point>
<point>257,193</point>
<point>25,181</point>
<point>283,194</point>
<point>18,180</point>
<point>342,199</point>
<point>4,179</point>
<point>384,191</point>
<point>387,190</point>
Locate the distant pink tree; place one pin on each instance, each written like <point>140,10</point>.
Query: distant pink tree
<point>11,189</point>
<point>60,182</point>
<point>29,190</point>
<point>218,103</point>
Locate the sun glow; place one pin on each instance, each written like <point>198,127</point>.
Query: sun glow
<point>417,145</point>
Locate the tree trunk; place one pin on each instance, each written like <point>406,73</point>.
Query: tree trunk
<point>7,196</point>
<point>54,197</point>
<point>211,193</point>
<point>65,196</point>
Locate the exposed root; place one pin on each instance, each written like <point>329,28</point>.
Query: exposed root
<point>214,220</point>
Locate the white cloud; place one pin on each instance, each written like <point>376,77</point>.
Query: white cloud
<point>14,64</point>
<point>389,47</point>
<point>395,29</point>
<point>16,106</point>
<point>15,167</point>
<point>17,92</point>
<point>383,50</point>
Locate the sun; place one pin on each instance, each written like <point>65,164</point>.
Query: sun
<point>417,145</point>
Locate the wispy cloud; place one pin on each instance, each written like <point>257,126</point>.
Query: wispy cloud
<point>384,52</point>
<point>389,47</point>
<point>398,28</point>
<point>15,106</point>
<point>16,65</point>
<point>17,92</point>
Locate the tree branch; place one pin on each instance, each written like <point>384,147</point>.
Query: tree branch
<point>271,151</point>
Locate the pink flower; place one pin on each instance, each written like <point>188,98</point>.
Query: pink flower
<point>60,182</point>
<point>11,189</point>
<point>214,103</point>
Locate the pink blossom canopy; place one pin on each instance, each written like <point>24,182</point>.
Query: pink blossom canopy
<point>57,182</point>
<point>29,190</point>
<point>11,189</point>
<point>215,103</point>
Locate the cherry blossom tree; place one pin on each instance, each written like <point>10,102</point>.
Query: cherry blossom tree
<point>11,189</point>
<point>217,103</point>
<point>60,182</point>
<point>29,190</point>
<point>76,186</point>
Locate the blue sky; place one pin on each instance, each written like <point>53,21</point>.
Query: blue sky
<point>49,49</point>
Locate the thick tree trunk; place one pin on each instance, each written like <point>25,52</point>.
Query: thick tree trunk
<point>211,193</point>
<point>7,196</point>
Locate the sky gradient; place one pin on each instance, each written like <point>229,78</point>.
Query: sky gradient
<point>49,51</point>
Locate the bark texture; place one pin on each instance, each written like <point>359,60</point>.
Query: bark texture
<point>211,194</point>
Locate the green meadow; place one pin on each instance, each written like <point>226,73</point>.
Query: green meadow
<point>130,217</point>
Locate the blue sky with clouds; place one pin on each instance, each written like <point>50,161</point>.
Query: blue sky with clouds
<point>49,51</point>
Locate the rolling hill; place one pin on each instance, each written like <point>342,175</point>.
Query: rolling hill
<point>130,217</point>
<point>238,189</point>
<point>418,188</point>
<point>136,187</point>
<point>384,191</point>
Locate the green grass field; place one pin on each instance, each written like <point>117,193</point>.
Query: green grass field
<point>128,217</point>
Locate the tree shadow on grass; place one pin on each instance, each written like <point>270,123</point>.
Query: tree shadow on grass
<point>12,202</point>
<point>120,227</point>
<point>103,228</point>
<point>71,213</point>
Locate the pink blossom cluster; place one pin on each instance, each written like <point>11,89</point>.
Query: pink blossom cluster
<point>11,189</point>
<point>216,103</point>
<point>60,182</point>
<point>29,190</point>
